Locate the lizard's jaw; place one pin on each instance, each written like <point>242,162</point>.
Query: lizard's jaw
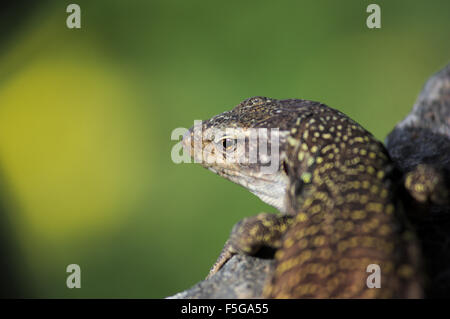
<point>270,188</point>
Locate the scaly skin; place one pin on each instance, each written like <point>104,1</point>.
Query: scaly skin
<point>338,191</point>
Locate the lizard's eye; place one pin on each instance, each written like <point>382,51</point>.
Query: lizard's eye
<point>229,144</point>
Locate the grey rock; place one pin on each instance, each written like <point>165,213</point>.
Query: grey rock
<point>242,277</point>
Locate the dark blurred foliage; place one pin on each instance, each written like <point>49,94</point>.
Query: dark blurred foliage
<point>13,13</point>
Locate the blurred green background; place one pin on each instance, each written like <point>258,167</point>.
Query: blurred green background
<point>86,115</point>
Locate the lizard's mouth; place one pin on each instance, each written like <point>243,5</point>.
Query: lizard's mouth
<point>238,174</point>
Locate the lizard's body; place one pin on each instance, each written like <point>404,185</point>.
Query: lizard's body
<point>337,187</point>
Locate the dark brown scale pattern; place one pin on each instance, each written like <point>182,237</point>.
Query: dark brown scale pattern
<point>346,215</point>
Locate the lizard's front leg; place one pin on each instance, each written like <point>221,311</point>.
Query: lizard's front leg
<point>250,234</point>
<point>426,184</point>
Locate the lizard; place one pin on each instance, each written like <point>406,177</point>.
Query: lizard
<point>337,190</point>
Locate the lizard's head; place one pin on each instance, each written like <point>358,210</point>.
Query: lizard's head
<point>247,145</point>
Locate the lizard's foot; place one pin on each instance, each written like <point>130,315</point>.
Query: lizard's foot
<point>249,235</point>
<point>427,185</point>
